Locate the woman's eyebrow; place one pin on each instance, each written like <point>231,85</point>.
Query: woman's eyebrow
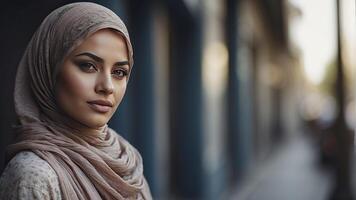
<point>100,60</point>
<point>91,55</point>
<point>121,63</point>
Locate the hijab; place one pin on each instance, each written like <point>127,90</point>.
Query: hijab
<point>99,166</point>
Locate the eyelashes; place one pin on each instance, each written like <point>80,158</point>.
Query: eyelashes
<point>87,67</point>
<point>90,67</point>
<point>120,73</point>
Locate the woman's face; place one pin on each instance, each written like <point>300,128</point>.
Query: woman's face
<point>92,81</point>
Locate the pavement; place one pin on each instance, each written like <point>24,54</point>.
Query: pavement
<point>292,173</point>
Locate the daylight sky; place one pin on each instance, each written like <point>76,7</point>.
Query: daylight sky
<point>315,34</point>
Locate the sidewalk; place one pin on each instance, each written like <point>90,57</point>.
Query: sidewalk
<point>291,174</point>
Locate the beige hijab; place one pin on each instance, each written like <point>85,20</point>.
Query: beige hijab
<point>99,166</point>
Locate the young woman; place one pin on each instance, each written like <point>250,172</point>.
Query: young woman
<point>69,83</point>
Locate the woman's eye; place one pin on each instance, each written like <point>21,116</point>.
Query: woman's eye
<point>119,73</point>
<point>87,67</point>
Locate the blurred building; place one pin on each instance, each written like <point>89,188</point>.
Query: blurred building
<point>268,78</point>
<point>214,87</point>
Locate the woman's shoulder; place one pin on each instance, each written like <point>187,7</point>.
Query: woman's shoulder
<point>28,175</point>
<point>27,165</point>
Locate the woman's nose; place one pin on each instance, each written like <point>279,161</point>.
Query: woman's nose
<point>104,84</point>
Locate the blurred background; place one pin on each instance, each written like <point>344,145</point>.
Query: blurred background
<point>229,99</point>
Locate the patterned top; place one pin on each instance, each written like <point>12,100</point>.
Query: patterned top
<point>27,176</point>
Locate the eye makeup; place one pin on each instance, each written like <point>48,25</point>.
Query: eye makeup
<point>86,66</point>
<point>120,73</point>
<point>89,66</point>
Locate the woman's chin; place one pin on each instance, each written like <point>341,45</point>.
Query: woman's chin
<point>96,122</point>
<point>97,125</point>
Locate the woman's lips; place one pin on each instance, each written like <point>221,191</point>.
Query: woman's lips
<point>101,106</point>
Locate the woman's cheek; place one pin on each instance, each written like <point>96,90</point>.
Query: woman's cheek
<point>120,92</point>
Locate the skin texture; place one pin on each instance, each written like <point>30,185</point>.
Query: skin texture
<point>98,69</point>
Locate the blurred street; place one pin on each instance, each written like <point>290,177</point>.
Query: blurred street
<point>293,173</point>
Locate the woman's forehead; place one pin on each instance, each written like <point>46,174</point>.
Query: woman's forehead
<point>105,41</point>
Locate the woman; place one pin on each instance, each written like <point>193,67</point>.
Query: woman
<point>69,83</point>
